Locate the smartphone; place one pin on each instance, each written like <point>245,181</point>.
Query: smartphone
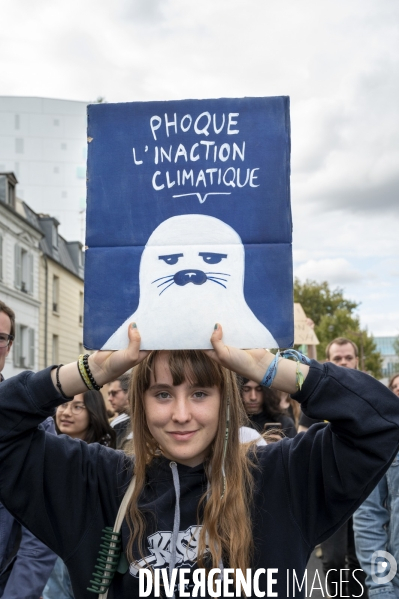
<point>272,425</point>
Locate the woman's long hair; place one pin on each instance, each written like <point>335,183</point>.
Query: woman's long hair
<point>272,401</point>
<point>232,542</point>
<point>99,429</point>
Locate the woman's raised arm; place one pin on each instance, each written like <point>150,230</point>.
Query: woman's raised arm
<point>105,366</point>
<point>254,363</point>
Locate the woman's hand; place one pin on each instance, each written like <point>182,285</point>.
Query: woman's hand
<point>253,363</point>
<point>105,366</point>
<point>249,363</point>
<point>108,365</point>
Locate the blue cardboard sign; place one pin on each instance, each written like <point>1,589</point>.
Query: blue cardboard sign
<point>189,223</point>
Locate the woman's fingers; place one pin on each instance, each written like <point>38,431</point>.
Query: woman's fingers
<point>250,363</point>
<point>217,342</point>
<point>133,348</point>
<point>113,364</point>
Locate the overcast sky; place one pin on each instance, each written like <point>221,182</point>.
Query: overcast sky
<point>337,59</point>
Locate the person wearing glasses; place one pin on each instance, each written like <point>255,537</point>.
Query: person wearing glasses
<point>119,399</point>
<point>7,332</point>
<point>25,562</point>
<point>85,418</point>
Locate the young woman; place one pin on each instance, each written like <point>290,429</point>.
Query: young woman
<point>201,499</point>
<point>85,418</point>
<point>393,384</point>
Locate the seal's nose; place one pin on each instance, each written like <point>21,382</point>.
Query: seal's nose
<point>198,277</point>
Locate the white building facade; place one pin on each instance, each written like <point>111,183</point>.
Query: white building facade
<point>19,278</point>
<point>43,141</point>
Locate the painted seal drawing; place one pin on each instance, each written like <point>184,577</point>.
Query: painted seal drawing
<point>192,276</point>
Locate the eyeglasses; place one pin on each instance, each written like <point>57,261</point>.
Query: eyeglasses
<point>5,339</point>
<point>76,408</point>
<point>114,393</point>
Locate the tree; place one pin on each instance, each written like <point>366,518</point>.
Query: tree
<point>334,316</point>
<point>396,345</point>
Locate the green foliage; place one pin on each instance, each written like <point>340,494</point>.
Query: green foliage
<point>334,316</point>
<point>318,300</point>
<point>396,345</point>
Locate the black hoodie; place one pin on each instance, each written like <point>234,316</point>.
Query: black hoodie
<point>66,491</point>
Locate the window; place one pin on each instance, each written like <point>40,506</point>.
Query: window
<point>3,189</point>
<point>23,270</point>
<point>19,145</point>
<point>63,146</point>
<point>81,172</point>
<point>80,307</point>
<point>55,350</point>
<point>56,293</point>
<point>55,237</point>
<point>7,191</point>
<point>64,194</point>
<point>81,349</point>
<point>56,122</point>
<point>17,121</point>
<point>24,346</point>
<point>56,169</point>
<point>11,195</point>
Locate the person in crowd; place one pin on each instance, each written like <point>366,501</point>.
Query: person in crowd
<point>25,563</point>
<point>263,407</point>
<point>119,399</point>
<point>393,384</point>
<point>85,418</point>
<point>289,406</point>
<point>339,552</point>
<point>376,527</point>
<point>200,498</point>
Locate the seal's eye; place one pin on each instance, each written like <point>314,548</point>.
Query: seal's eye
<point>170,258</point>
<point>211,257</point>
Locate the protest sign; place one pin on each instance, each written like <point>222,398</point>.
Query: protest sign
<point>303,333</point>
<point>189,223</point>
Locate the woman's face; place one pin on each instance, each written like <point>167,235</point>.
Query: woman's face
<point>395,385</point>
<point>183,419</point>
<point>73,418</point>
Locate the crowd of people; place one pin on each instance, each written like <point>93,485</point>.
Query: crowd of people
<point>223,477</point>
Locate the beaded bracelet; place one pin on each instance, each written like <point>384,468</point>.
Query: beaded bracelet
<point>83,373</point>
<point>57,378</point>
<point>84,362</point>
<point>290,354</point>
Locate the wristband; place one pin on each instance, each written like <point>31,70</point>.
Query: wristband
<point>83,373</point>
<point>85,360</point>
<point>57,378</point>
<point>290,354</point>
<point>271,371</point>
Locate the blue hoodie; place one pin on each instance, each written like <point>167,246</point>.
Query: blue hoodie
<point>66,491</point>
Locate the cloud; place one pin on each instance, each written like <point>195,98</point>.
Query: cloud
<point>143,10</point>
<point>336,271</point>
<point>336,59</point>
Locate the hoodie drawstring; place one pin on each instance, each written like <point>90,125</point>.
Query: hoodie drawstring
<point>176,521</point>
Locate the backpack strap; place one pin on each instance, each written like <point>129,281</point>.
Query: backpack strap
<point>110,550</point>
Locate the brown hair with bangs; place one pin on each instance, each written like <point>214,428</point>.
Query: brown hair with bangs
<point>234,543</point>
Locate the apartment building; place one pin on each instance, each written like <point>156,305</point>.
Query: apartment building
<point>19,276</point>
<point>41,279</point>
